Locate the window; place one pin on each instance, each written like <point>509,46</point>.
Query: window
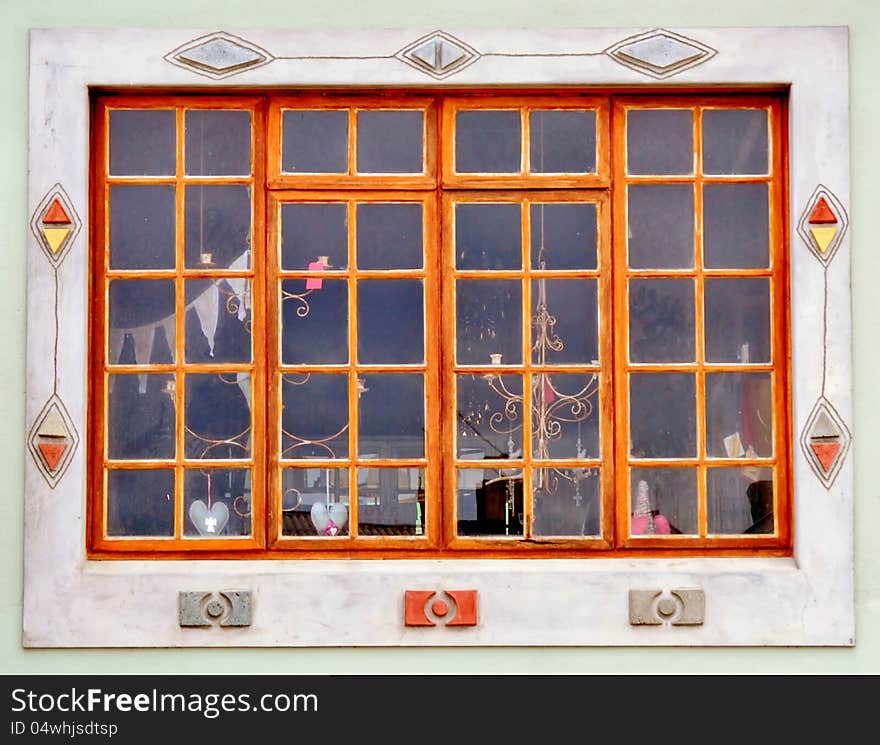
<point>460,325</point>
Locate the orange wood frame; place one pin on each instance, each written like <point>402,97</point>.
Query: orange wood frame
<point>438,188</point>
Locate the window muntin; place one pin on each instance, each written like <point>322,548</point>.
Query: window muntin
<point>613,466</point>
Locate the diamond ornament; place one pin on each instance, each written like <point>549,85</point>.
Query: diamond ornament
<point>219,55</point>
<point>52,441</point>
<point>823,224</point>
<point>825,441</point>
<point>438,54</point>
<point>660,53</point>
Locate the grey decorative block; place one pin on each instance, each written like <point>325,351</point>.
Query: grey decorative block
<point>680,607</point>
<point>438,54</point>
<point>218,55</point>
<point>226,608</point>
<point>660,53</point>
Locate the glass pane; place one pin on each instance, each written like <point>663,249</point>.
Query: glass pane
<point>391,325</point>
<point>490,416</point>
<point>141,227</point>
<point>218,227</point>
<point>488,142</point>
<point>141,417</point>
<point>218,416</point>
<point>389,142</point>
<point>142,142</point>
<point>736,226</point>
<point>662,415</point>
<point>314,141</point>
<point>562,141</point>
<point>565,415</point>
<point>738,320</point>
<point>739,415</point>
<point>314,234</point>
<point>488,236</point>
<point>664,501</point>
<point>565,318</point>
<point>659,141</point>
<point>661,320</point>
<point>217,502</point>
<point>314,418</point>
<point>660,220</point>
<point>218,320</point>
<point>490,502</point>
<point>140,503</point>
<point>218,143</point>
<point>566,502</point>
<point>141,321</point>
<point>314,501</point>
<point>391,410</point>
<point>740,500</point>
<point>563,236</point>
<point>389,236</point>
<point>391,501</point>
<point>314,321</point>
<point>488,319</point>
<point>735,141</point>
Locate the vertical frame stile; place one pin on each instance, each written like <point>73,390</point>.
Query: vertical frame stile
<point>528,372</point>
<point>433,300</point>
<point>608,452</point>
<point>179,324</point>
<point>700,328</point>
<point>352,141</point>
<point>448,377</point>
<point>353,369</point>
<point>272,362</point>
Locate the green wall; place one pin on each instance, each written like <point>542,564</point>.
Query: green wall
<point>863,19</point>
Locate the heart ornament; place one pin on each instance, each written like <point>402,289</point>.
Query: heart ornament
<point>329,522</point>
<point>209,522</point>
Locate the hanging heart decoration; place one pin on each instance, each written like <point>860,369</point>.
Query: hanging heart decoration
<point>329,522</point>
<point>209,522</point>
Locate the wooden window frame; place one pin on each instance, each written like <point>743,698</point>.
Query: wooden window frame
<point>438,189</point>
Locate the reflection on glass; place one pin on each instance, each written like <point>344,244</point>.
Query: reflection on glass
<point>566,502</point>
<point>313,234</point>
<point>659,141</point>
<point>389,142</point>
<point>142,142</point>
<point>218,143</point>
<point>141,226</point>
<point>391,327</point>
<point>490,416</point>
<point>389,236</point>
<point>218,416</point>
<point>739,415</point>
<point>488,236</point>
<point>217,502</point>
<point>738,320</point>
<point>565,319</point>
<point>314,321</point>
<point>314,141</point>
<point>391,410</point>
<point>563,236</point>
<point>490,502</point>
<point>391,501</point>
<point>664,501</point>
<point>218,227</point>
<point>488,320</point>
<point>660,221</point>
<point>140,419</point>
<point>562,141</point>
<point>218,320</point>
<point>140,503</point>
<point>736,226</point>
<point>662,415</point>
<point>314,418</point>
<point>740,500</point>
<point>488,142</point>
<point>141,321</point>
<point>735,141</point>
<point>565,415</point>
<point>314,502</point>
<point>661,320</point>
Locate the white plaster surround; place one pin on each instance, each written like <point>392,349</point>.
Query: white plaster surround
<point>70,601</point>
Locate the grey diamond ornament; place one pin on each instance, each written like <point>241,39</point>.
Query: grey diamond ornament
<point>438,54</point>
<point>660,53</point>
<point>219,55</point>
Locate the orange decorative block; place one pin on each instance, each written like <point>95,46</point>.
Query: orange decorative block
<point>466,600</point>
<point>439,608</point>
<point>56,214</point>
<point>822,213</point>
<point>52,452</point>
<point>414,608</point>
<point>462,613</point>
<point>826,452</point>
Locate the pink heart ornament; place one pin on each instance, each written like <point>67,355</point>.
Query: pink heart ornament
<point>209,522</point>
<point>329,523</point>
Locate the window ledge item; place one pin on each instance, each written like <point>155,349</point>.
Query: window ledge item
<point>802,599</point>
